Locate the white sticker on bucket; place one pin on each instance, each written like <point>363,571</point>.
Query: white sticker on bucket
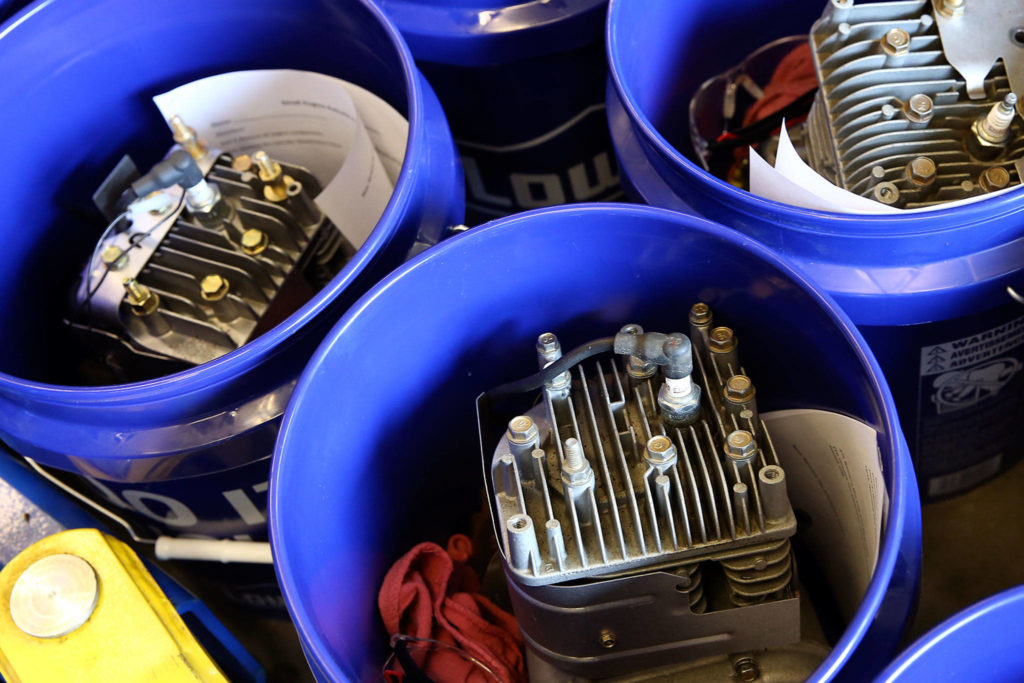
<point>310,120</point>
<point>834,474</point>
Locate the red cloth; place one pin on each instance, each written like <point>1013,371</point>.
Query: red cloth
<point>428,595</point>
<point>793,77</point>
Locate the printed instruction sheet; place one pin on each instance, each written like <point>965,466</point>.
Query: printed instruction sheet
<point>350,139</point>
<point>834,474</point>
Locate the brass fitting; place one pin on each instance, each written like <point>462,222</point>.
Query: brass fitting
<point>254,241</point>
<point>113,257</point>
<point>275,182</point>
<point>214,287</point>
<point>185,135</point>
<point>142,300</point>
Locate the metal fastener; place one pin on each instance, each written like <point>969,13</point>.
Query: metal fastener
<point>739,389</point>
<point>740,445</point>
<point>113,257</point>
<point>746,669</point>
<point>896,42</point>
<point>952,9</point>
<point>140,298</point>
<point>919,108</point>
<point>660,450</point>
<point>700,314</point>
<point>921,171</point>
<point>722,340</point>
<point>254,241</point>
<point>994,178</point>
<point>214,287</point>
<point>521,429</point>
<point>185,135</point>
<point>242,163</point>
<point>607,639</point>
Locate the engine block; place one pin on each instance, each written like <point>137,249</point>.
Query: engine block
<point>644,472</point>
<point>895,120</point>
<point>191,270</point>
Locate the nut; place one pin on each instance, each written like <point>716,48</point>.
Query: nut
<point>660,450</point>
<point>921,171</point>
<point>140,298</point>
<point>994,178</point>
<point>740,445</point>
<point>521,429</point>
<point>919,108</point>
<point>576,470</point>
<point>739,389</point>
<point>254,241</point>
<point>213,287</point>
<point>607,639</point>
<point>721,340</point>
<point>700,314</point>
<point>896,42</point>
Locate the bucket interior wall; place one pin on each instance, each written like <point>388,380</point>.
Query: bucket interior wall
<point>76,96</point>
<point>380,444</point>
<point>691,42</point>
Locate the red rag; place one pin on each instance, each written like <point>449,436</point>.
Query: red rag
<point>417,599</point>
<point>794,76</point>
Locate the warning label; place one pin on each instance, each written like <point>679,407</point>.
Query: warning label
<point>970,351</point>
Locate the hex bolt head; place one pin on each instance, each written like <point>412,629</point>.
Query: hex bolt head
<point>919,108</point>
<point>660,449</point>
<point>739,389</point>
<point>521,429</point>
<point>722,340</point>
<point>214,287</point>
<point>740,445</point>
<point>700,314</point>
<point>994,178</point>
<point>254,241</point>
<point>607,639</point>
<point>921,171</point>
<point>896,42</point>
<point>547,343</point>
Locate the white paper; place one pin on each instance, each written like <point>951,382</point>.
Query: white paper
<point>834,474</point>
<point>307,119</point>
<point>792,181</point>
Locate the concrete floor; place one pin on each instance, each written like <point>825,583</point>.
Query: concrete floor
<point>972,549</point>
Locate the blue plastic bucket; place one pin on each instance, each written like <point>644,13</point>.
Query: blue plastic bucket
<point>980,644</point>
<point>928,290</point>
<point>188,453</point>
<point>522,84</point>
<point>382,451</point>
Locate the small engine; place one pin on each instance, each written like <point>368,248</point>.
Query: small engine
<point>203,253</point>
<point>641,508</point>
<point>913,103</point>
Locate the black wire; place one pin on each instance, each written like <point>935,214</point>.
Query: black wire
<point>533,382</point>
<point>135,240</point>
